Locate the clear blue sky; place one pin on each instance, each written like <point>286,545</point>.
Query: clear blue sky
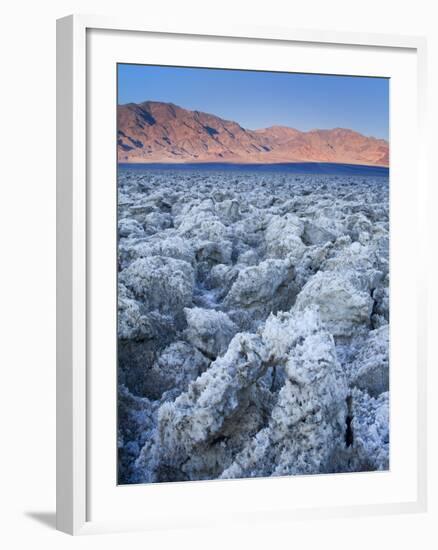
<point>260,99</point>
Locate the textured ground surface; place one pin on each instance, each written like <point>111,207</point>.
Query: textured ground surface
<point>253,325</point>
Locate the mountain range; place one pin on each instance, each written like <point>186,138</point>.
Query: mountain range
<point>160,132</point>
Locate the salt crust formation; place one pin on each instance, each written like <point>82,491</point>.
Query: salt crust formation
<point>253,325</point>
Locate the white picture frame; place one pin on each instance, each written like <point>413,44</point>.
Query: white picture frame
<point>75,218</point>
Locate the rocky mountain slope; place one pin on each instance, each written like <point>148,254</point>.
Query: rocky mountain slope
<point>163,132</point>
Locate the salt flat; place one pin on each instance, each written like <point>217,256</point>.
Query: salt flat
<point>253,313</point>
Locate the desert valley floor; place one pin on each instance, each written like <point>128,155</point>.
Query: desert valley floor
<point>253,313</point>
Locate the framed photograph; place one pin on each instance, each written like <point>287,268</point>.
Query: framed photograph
<point>241,301</point>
